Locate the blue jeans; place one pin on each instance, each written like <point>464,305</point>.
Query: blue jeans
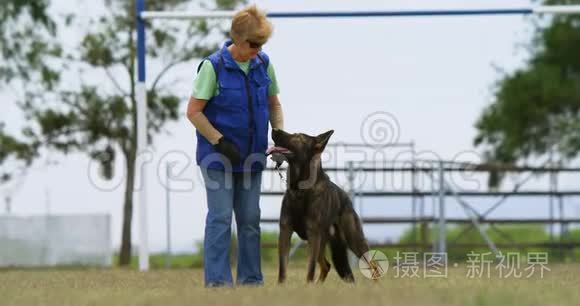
<point>229,192</point>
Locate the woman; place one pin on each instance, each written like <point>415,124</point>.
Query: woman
<point>235,95</point>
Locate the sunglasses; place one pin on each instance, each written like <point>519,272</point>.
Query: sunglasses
<point>254,45</point>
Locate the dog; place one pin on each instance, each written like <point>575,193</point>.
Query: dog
<point>316,209</point>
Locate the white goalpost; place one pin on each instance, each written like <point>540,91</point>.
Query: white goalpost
<point>141,91</point>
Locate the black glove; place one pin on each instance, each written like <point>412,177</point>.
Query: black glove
<point>229,150</point>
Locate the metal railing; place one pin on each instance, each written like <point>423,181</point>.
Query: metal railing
<point>443,190</point>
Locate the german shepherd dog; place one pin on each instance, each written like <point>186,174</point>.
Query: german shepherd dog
<point>316,209</point>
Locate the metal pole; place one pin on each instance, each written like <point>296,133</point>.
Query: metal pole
<point>432,233</point>
<point>442,246</point>
<point>360,198</point>
<point>141,97</point>
<point>548,9</point>
<point>560,215</point>
<point>8,205</point>
<point>353,260</point>
<point>423,226</point>
<point>357,201</point>
<point>47,200</point>
<point>413,197</point>
<point>168,216</point>
<point>551,203</point>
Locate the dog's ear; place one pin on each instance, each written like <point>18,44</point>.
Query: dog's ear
<point>322,140</point>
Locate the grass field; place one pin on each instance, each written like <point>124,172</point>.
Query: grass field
<point>185,287</point>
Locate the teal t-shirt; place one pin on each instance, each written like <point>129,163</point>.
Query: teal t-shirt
<point>205,84</point>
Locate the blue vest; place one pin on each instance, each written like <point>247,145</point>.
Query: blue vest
<point>240,112</point>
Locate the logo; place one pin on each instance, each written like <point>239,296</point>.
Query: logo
<point>373,264</point>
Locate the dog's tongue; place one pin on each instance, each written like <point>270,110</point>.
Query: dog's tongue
<point>276,150</point>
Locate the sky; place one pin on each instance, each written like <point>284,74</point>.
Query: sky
<point>424,80</point>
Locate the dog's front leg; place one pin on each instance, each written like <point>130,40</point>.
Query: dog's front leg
<point>314,240</point>
<point>283,250</point>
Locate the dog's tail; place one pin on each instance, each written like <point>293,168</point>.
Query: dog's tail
<point>340,258</point>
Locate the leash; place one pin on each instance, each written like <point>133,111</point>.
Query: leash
<point>278,159</point>
<point>279,171</point>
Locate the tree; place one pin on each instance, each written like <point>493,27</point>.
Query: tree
<point>26,32</point>
<point>536,108</point>
<point>101,122</point>
<point>26,42</point>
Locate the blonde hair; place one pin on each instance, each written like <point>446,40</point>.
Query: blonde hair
<point>251,24</point>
